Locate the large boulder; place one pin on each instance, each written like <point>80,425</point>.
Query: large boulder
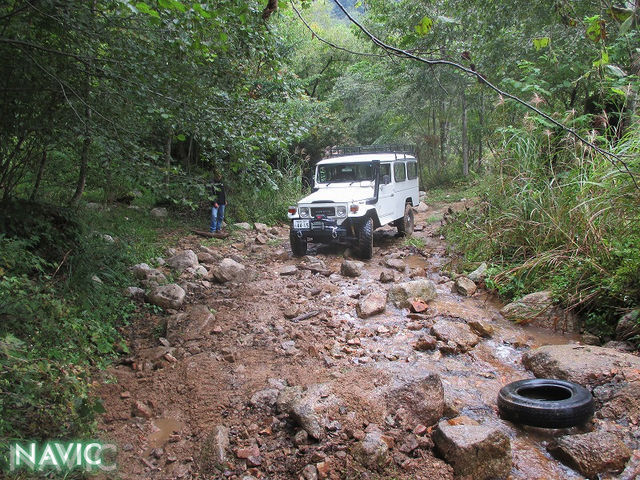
<point>183,260</point>
<point>401,294</point>
<point>538,309</point>
<point>371,304</point>
<point>583,364</point>
<point>628,327</point>
<point>591,453</point>
<point>456,332</point>
<point>474,451</point>
<point>419,401</point>
<point>167,296</point>
<point>229,271</point>
<point>618,401</point>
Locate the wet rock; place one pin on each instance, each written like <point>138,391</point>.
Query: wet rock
<point>372,451</point>
<point>242,226</point>
<point>183,260</point>
<point>538,309</point>
<point>481,328</point>
<point>135,293</point>
<point>425,343</point>
<point>401,294</point>
<point>371,304</point>
<point>288,270</point>
<point>628,326</point>
<point>421,400</point>
<point>167,296</point>
<point>620,346</point>
<point>229,271</point>
<point>477,451</point>
<point>159,212</point>
<point>351,268</point>
<point>479,273</point>
<point>396,264</point>
<point>465,286</point>
<point>582,364</point>
<point>387,276</point>
<point>618,402</point>
<point>591,453</point>
<point>459,333</point>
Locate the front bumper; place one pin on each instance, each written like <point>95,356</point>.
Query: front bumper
<point>323,230</point>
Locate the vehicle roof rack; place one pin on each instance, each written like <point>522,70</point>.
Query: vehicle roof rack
<point>339,150</point>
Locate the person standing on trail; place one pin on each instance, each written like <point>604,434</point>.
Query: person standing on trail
<point>219,204</point>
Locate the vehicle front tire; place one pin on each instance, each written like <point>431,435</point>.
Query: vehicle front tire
<point>406,223</point>
<point>365,239</point>
<point>298,245</point>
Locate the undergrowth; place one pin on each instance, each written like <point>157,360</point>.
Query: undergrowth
<point>559,218</point>
<point>62,312</point>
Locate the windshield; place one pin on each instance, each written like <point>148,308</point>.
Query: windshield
<point>345,173</point>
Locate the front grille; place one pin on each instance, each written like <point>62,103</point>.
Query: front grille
<point>326,211</point>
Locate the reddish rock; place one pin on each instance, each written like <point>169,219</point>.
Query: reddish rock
<point>141,409</point>
<point>252,451</point>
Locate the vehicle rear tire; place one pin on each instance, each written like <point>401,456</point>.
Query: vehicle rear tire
<point>406,223</point>
<point>545,403</point>
<point>365,239</point>
<point>298,245</point>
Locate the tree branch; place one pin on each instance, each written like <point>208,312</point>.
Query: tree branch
<point>615,160</point>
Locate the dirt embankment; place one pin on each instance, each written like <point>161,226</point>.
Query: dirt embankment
<point>286,371</point>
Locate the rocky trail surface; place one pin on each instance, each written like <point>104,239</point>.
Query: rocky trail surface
<point>262,365</point>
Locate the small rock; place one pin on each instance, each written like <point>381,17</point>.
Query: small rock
<point>214,449</point>
<point>159,212</point>
<point>301,438</point>
<point>396,264</point>
<point>479,273</point>
<point>372,451</point>
<point>465,286</point>
<point>591,453</point>
<point>371,304</point>
<point>401,293</point>
<point>477,451</point>
<point>387,276</point>
<point>420,400</point>
<point>229,270</point>
<point>242,226</point>
<point>262,239</point>
<point>264,398</point>
<point>351,268</point>
<point>252,451</point>
<point>167,296</point>
<point>183,260</point>
<point>590,339</point>
<point>310,472</point>
<point>288,270</point>
<point>458,333</point>
<point>206,257</point>
<point>261,227</point>
<point>141,409</point>
<point>323,469</point>
<point>135,293</point>
<point>418,305</point>
<point>425,343</point>
<point>481,328</point>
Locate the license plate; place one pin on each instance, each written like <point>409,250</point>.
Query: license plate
<point>317,226</point>
<point>301,224</point>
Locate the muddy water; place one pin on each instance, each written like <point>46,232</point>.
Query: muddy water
<point>164,428</point>
<point>471,380</point>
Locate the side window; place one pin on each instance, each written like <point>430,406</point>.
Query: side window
<point>412,170</point>
<point>399,172</point>
<point>385,171</point>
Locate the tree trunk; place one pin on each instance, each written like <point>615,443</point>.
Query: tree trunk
<point>465,142</point>
<point>84,163</point>
<point>36,185</point>
<point>167,153</point>
<point>480,130</point>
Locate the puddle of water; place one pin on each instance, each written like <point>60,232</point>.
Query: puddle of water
<point>165,428</point>
<point>416,261</point>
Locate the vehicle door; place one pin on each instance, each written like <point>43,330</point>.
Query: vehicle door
<point>401,186</point>
<point>386,197</point>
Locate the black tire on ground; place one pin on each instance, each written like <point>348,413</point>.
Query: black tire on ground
<point>298,245</point>
<point>406,223</point>
<point>546,403</point>
<point>365,239</point>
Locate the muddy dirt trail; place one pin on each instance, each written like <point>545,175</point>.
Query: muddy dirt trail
<point>277,376</point>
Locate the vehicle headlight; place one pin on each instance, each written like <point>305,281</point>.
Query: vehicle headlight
<point>341,211</point>
<point>304,212</point>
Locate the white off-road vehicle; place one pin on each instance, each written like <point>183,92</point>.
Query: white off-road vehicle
<point>352,196</point>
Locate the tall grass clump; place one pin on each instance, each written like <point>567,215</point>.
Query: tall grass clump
<point>560,216</point>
